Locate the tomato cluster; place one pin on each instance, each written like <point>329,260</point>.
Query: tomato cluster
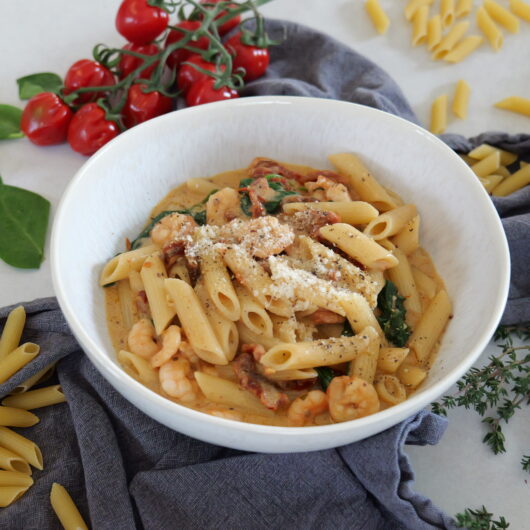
<point>193,58</point>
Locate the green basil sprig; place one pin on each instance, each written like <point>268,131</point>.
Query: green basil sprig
<point>10,122</point>
<point>31,85</point>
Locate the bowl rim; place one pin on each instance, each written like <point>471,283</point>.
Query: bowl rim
<point>114,373</point>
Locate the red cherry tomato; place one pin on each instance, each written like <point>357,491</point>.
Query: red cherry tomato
<point>180,55</point>
<point>188,75</point>
<point>89,129</point>
<point>45,119</point>
<point>129,63</point>
<point>139,22</point>
<point>87,73</point>
<point>230,24</point>
<point>141,106</point>
<point>253,59</point>
<point>204,92</point>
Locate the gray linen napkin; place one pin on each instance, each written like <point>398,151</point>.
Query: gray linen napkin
<point>124,470</point>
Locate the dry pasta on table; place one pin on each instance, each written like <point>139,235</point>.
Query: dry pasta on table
<point>279,294</point>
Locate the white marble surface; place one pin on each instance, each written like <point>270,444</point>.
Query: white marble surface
<point>49,36</point>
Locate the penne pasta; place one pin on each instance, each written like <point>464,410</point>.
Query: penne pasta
<point>138,368</point>
<point>14,478</point>
<point>248,336</point>
<point>390,359</point>
<point>411,376</point>
<point>491,182</point>
<point>34,399</point>
<point>65,509</point>
<point>513,183</point>
<point>521,9</point>
<point>502,16</point>
<point>463,8</point>
<point>450,40</point>
<point>461,99</point>
<point>408,239</point>
<point>391,222</point>
<point>365,364</point>
<point>439,115</point>
<point>10,494</point>
<point>41,375</point>
<point>489,28</point>
<point>487,165</point>
<point>13,462</point>
<point>10,338</point>
<point>179,270</point>
<point>464,48</point>
<point>21,446</point>
<point>17,359</point>
<point>379,18</point>
<point>126,303</point>
<point>353,213</point>
<point>515,104</point>
<point>434,32</point>
<point>447,12</point>
<point>390,389</point>
<point>359,314</point>
<point>413,6</point>
<point>15,417</point>
<point>482,151</point>
<point>253,314</point>
<point>120,266</point>
<point>425,284</point>
<point>419,25</point>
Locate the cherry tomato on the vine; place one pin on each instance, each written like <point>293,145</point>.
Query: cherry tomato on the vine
<point>45,119</point>
<point>141,106</point>
<point>139,22</point>
<point>253,59</point>
<point>87,73</point>
<point>230,24</point>
<point>180,54</point>
<point>129,63</point>
<point>204,92</point>
<point>89,129</point>
<point>188,75</point>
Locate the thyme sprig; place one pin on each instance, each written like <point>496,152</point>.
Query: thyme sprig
<point>498,389</point>
<point>480,519</point>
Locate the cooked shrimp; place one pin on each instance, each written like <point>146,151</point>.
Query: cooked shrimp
<point>304,409</point>
<point>327,189</point>
<point>186,351</point>
<point>175,380</point>
<point>141,339</point>
<point>173,227</point>
<point>351,398</point>
<point>223,206</point>
<point>170,346</point>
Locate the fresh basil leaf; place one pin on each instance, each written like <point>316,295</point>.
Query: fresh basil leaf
<point>10,122</point>
<point>325,375</point>
<point>147,230</point>
<point>393,315</point>
<point>23,223</point>
<point>31,85</point>
<point>274,205</point>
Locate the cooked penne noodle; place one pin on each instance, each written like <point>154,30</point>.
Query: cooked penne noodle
<point>391,222</point>
<point>126,303</point>
<point>179,270</point>
<point>390,359</point>
<point>293,375</point>
<point>461,99</point>
<point>379,18</point>
<point>65,509</point>
<point>14,478</point>
<point>13,462</point>
<point>502,16</point>
<point>419,25</point>
<point>365,364</point>
<point>413,6</point>
<point>17,359</point>
<point>464,48</point>
<point>324,352</point>
<point>487,165</point>
<point>359,314</point>
<point>119,267</point>
<point>425,284</point>
<point>249,337</point>
<point>491,182</point>
<point>228,393</point>
<point>483,150</point>
<point>411,376</point>
<point>518,180</point>
<point>408,239</point>
<point>362,181</point>
<point>439,115</point>
<point>10,494</point>
<point>153,275</point>
<point>489,28</point>
<point>195,322</point>
<point>201,186</point>
<point>41,375</point>
<point>390,389</point>
<point>521,9</point>
<point>219,286</point>
<point>34,399</point>
<point>284,328</point>
<point>10,338</point>
<point>430,326</point>
<point>138,368</point>
<point>358,246</point>
<point>463,8</point>
<point>21,446</point>
<point>515,104</point>
<point>353,213</point>
<point>15,417</point>
<point>434,32</point>
<point>450,40</point>
<point>253,314</point>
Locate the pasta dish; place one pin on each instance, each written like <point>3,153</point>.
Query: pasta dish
<point>279,294</point>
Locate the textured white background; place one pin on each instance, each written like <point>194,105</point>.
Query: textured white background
<point>49,36</point>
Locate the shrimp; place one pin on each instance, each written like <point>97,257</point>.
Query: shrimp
<point>351,398</point>
<point>141,339</point>
<point>187,352</point>
<point>327,189</point>
<point>223,206</point>
<point>175,380</point>
<point>170,346</point>
<point>176,227</point>
<point>304,409</point>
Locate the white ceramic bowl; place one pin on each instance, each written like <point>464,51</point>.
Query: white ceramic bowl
<point>112,194</point>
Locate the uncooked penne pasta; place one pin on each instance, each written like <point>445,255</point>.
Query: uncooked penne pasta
<point>515,104</point>
<point>521,9</point>
<point>491,182</point>
<point>21,446</point>
<point>120,266</point>
<point>65,509</point>
<point>358,246</point>
<point>34,399</point>
<point>12,331</point>
<point>391,222</point>
<point>483,150</point>
<point>461,99</point>
<point>43,374</point>
<point>379,18</point>
<point>464,48</point>
<point>489,28</point>
<point>15,478</point>
<point>408,239</point>
<point>10,494</point>
<point>390,389</point>
<point>138,368</point>
<point>413,6</point>
<point>17,359</point>
<point>502,16</point>
<point>434,32</point>
<point>353,213</point>
<point>439,115</point>
<point>390,359</point>
<point>513,183</point>
<point>450,40</point>
<point>13,462</point>
<point>16,417</point>
<point>503,170</point>
<point>419,25</point>
<point>487,165</point>
<point>447,12</point>
<point>463,8</point>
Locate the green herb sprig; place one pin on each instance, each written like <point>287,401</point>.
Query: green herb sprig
<point>480,519</point>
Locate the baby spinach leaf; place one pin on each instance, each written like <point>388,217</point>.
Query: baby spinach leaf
<point>23,223</point>
<point>393,315</point>
<point>325,375</point>
<point>147,230</point>
<point>273,205</point>
<point>246,205</point>
<point>10,122</point>
<point>31,85</point>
